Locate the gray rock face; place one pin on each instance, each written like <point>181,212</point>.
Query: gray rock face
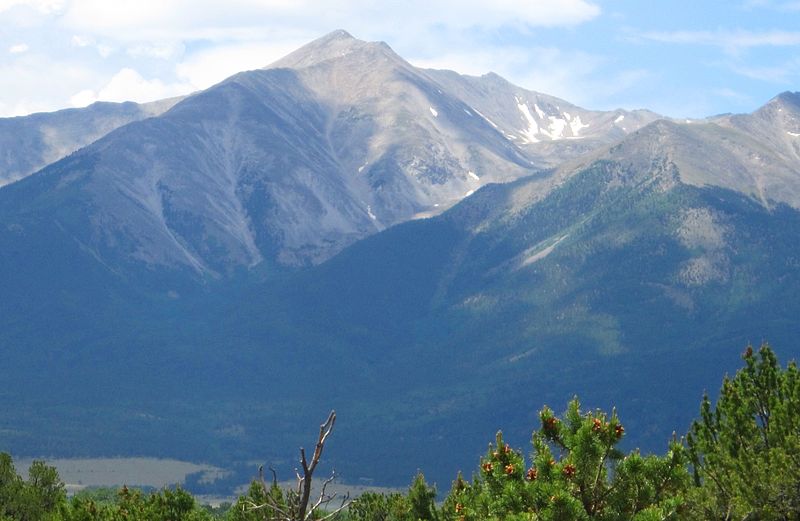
<point>756,154</point>
<point>291,163</point>
<point>30,143</point>
<point>547,129</point>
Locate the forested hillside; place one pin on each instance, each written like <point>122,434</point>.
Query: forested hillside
<point>738,461</point>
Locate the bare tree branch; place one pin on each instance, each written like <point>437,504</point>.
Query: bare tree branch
<point>308,470</point>
<point>297,502</point>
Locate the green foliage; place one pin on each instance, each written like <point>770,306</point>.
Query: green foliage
<point>371,506</point>
<point>418,505</point>
<point>746,449</point>
<point>134,505</point>
<point>421,500</point>
<point>576,473</point>
<point>101,495</point>
<point>41,497</point>
<point>255,505</point>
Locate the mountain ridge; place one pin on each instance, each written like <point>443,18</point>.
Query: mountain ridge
<point>350,139</point>
<point>32,142</point>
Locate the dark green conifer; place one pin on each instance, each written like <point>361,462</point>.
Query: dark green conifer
<point>745,449</point>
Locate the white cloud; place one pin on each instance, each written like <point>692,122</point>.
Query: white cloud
<point>83,98</point>
<point>35,82</point>
<point>104,50</point>
<point>464,14</point>
<point>155,19</point>
<point>730,41</point>
<point>178,46</point>
<point>206,68</point>
<point>18,48</point>
<point>81,41</point>
<point>161,51</point>
<point>22,108</point>
<point>783,73</point>
<point>570,75</point>
<point>733,95</point>
<point>42,6</point>
<point>129,85</point>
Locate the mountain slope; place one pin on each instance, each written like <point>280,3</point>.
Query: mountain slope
<point>287,165</point>
<point>756,154</point>
<point>630,288</point>
<point>627,287</point>
<point>549,130</point>
<point>32,142</point>
<point>620,283</point>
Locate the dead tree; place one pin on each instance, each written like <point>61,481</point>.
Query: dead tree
<point>296,506</point>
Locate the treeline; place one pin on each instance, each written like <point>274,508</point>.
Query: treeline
<point>739,461</point>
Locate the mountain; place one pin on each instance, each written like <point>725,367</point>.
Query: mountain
<point>756,154</point>
<point>548,130</point>
<point>287,165</point>
<point>625,280</point>
<point>208,283</point>
<point>30,143</point>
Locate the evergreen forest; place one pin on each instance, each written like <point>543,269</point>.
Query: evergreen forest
<point>740,460</point>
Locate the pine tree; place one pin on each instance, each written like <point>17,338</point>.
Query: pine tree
<point>577,473</point>
<point>421,500</point>
<point>745,450</point>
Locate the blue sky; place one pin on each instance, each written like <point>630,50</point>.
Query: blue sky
<point>679,58</point>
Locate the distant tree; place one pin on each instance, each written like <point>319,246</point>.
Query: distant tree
<point>577,473</point>
<point>134,505</point>
<point>10,486</point>
<point>372,506</point>
<point>100,495</point>
<point>421,501</point>
<point>258,494</point>
<point>745,449</point>
<point>41,497</point>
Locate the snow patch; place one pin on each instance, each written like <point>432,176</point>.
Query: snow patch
<point>362,167</point>
<point>619,118</point>
<point>484,117</point>
<point>575,124</point>
<point>468,112</point>
<point>793,134</point>
<point>433,111</point>
<point>539,112</point>
<point>473,175</point>
<point>369,212</point>
<point>533,128</point>
<point>469,193</point>
<point>556,127</point>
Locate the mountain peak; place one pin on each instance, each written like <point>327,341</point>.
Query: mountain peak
<point>339,35</point>
<point>333,45</point>
<point>788,98</point>
<point>778,109</point>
